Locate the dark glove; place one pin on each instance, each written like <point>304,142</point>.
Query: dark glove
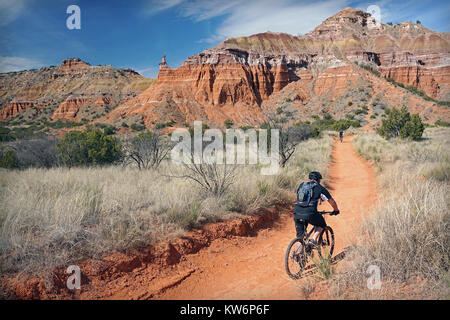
<point>335,213</point>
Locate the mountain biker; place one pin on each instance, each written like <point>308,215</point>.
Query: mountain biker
<point>305,210</point>
<point>341,135</point>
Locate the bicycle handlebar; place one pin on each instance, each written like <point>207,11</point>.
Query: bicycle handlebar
<point>325,212</point>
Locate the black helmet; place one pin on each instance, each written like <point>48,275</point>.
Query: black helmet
<point>315,175</point>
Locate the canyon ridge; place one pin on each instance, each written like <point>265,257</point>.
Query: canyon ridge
<point>349,66</point>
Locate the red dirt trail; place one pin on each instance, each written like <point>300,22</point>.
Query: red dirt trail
<point>253,267</point>
<point>221,261</point>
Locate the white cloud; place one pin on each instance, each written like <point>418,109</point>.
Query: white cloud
<point>247,17</point>
<point>289,18</point>
<point>8,64</point>
<point>150,72</point>
<point>431,13</point>
<point>10,10</point>
<point>156,6</point>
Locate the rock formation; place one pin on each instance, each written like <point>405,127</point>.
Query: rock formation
<point>70,107</point>
<point>66,88</point>
<point>244,78</point>
<point>236,78</point>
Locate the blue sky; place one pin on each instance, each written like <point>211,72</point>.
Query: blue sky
<point>136,33</point>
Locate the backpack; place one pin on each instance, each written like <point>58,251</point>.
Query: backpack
<point>305,194</point>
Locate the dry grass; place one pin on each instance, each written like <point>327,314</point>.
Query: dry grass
<point>55,217</point>
<point>407,235</point>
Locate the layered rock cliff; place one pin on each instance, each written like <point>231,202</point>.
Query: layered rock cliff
<point>65,89</point>
<point>243,79</point>
<point>240,78</point>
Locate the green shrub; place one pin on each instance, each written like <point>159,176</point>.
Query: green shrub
<point>400,123</point>
<point>350,116</point>
<point>369,68</point>
<point>187,218</point>
<point>109,130</point>
<point>137,127</point>
<point>5,134</point>
<point>328,123</point>
<point>9,160</point>
<point>94,147</point>
<point>228,123</point>
<point>395,121</point>
<point>159,126</point>
<point>413,128</point>
<point>442,123</point>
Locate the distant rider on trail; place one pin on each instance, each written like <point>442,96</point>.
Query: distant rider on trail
<point>305,210</point>
<point>341,135</point>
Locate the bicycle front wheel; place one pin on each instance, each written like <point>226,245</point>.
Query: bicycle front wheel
<point>326,242</point>
<point>295,259</point>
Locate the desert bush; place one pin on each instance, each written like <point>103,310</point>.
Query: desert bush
<point>146,150</point>
<point>9,160</point>
<point>39,152</point>
<point>93,147</point>
<point>290,136</point>
<point>5,134</point>
<point>328,123</point>
<point>137,127</point>
<point>413,128</point>
<point>228,123</point>
<point>442,123</point>
<point>212,178</point>
<point>400,123</point>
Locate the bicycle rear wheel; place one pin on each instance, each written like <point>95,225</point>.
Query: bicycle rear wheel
<point>326,242</point>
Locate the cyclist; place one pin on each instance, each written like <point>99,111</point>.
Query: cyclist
<point>305,210</point>
<point>341,135</point>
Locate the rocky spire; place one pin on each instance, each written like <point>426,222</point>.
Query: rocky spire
<point>163,63</point>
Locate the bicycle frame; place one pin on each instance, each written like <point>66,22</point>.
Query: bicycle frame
<point>313,228</point>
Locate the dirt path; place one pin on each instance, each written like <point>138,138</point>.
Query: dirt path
<point>252,267</point>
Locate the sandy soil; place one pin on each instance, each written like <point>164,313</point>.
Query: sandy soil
<point>253,267</point>
<point>238,259</point>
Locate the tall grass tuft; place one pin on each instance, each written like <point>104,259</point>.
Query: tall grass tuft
<point>408,234</point>
<point>55,217</point>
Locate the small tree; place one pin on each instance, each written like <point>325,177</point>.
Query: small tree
<point>37,152</point>
<point>290,136</point>
<point>147,150</point>
<point>396,119</point>
<point>400,123</point>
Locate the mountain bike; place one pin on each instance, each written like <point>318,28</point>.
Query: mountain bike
<point>300,255</point>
